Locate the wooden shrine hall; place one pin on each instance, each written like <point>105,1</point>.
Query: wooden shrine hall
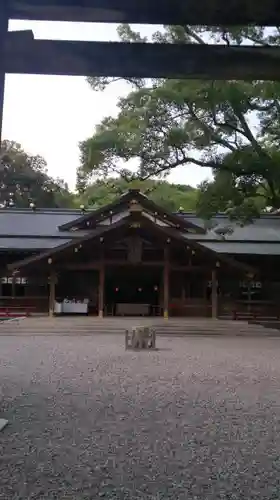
<point>132,257</point>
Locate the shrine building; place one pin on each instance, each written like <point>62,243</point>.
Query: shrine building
<point>134,258</point>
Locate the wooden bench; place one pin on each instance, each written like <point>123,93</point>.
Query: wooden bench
<point>253,315</point>
<point>15,311</point>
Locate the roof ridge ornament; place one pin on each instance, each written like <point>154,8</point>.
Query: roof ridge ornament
<point>134,206</point>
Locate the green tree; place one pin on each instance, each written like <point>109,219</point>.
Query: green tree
<point>24,180</point>
<point>241,186</point>
<point>171,196</point>
<point>231,127</point>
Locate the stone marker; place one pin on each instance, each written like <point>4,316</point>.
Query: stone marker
<point>3,424</point>
<point>140,337</point>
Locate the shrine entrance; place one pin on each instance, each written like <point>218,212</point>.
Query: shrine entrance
<point>133,291</point>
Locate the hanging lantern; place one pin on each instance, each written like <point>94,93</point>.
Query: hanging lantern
<point>140,289</point>
<point>76,250</point>
<point>193,252</point>
<point>50,260</point>
<point>218,264</point>
<point>116,289</point>
<point>155,288</point>
<point>101,239</point>
<point>168,240</point>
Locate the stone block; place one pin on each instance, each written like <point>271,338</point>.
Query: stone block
<point>140,338</point>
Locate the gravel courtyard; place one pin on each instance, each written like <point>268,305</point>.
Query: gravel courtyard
<point>198,419</point>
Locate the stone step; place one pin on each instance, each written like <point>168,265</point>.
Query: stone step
<point>264,333</point>
<point>106,323</point>
<point>104,327</point>
<point>92,329</point>
<point>189,331</point>
<point>90,325</point>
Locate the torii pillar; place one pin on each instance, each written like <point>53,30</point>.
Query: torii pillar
<point>4,24</point>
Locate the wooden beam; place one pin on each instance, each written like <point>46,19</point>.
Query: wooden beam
<point>143,60</point>
<point>110,263</point>
<point>197,12</point>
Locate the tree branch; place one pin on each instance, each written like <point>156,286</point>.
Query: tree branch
<point>193,35</point>
<point>209,130</point>
<point>171,166</point>
<point>250,136</point>
<point>256,41</point>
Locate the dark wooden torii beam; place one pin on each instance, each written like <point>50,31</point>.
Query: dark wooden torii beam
<point>25,55</point>
<point>85,58</point>
<point>195,12</point>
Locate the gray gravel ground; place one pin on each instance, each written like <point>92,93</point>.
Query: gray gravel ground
<point>198,419</point>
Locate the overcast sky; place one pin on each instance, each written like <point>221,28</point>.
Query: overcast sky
<point>49,115</point>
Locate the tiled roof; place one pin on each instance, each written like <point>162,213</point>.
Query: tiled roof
<point>31,243</point>
<point>266,228</point>
<point>245,248</point>
<point>15,222</point>
<point>39,229</point>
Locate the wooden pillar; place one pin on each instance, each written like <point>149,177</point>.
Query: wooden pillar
<point>4,23</point>
<point>101,290</point>
<point>166,284</point>
<point>249,297</point>
<point>183,289</point>
<point>214,294</point>
<point>52,282</point>
<point>13,286</point>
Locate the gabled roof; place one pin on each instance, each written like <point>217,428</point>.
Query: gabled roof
<point>41,229</point>
<point>166,234</point>
<point>91,219</point>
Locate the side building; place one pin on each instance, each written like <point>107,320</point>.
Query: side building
<point>132,257</point>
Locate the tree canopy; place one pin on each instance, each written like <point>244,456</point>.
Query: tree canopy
<point>232,127</point>
<point>24,180</point>
<point>173,197</point>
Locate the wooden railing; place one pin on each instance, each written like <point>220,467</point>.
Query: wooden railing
<point>250,310</point>
<point>190,308</point>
